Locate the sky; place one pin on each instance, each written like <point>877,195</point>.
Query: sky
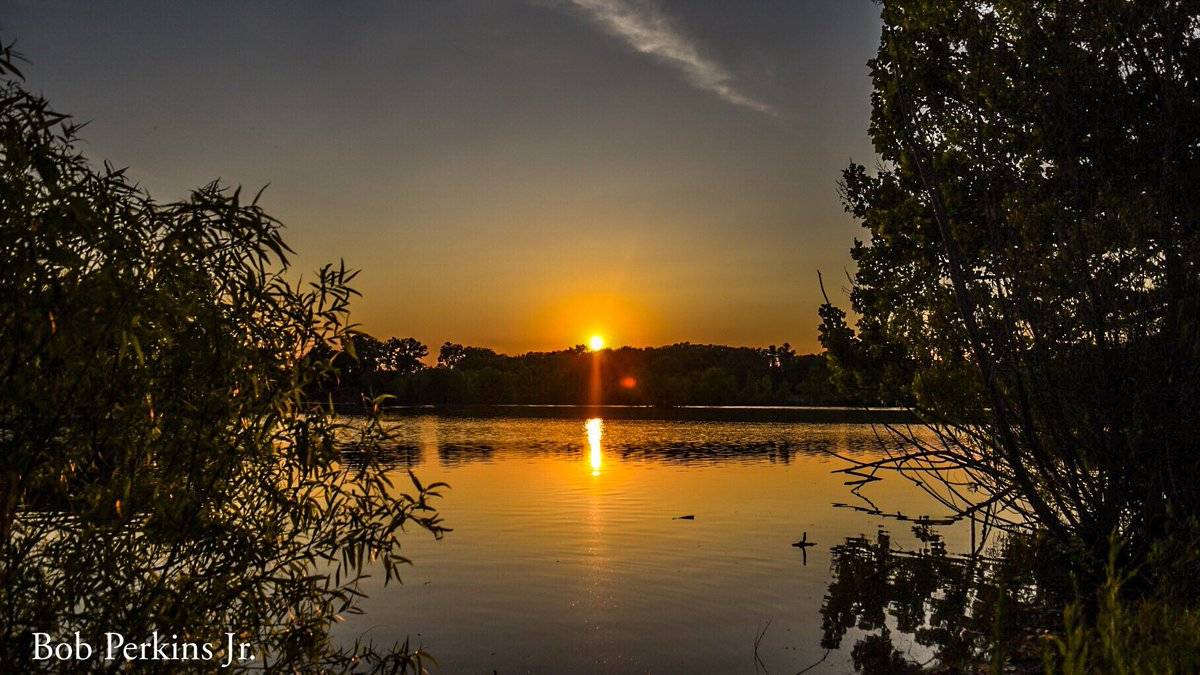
<point>513,174</point>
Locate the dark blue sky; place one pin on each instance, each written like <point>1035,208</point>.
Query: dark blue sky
<point>512,174</point>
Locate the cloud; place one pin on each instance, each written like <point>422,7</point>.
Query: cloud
<point>648,31</point>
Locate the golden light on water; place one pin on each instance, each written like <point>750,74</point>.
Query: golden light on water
<point>595,430</point>
<point>596,343</point>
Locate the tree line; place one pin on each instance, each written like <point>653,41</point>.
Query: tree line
<point>678,374</point>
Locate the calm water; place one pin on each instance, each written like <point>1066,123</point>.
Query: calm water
<point>566,557</point>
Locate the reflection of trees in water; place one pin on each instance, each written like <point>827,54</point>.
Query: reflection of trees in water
<point>452,455</point>
<point>456,441</point>
<point>392,455</point>
<point>965,609</point>
<point>700,452</point>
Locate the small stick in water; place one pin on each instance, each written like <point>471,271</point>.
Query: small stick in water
<point>804,542</point>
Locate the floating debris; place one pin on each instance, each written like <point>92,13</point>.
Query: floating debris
<point>804,542</point>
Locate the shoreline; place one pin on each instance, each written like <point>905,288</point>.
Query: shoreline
<point>783,414</point>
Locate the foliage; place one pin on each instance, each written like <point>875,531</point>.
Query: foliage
<point>162,469</point>
<point>450,355</point>
<point>1033,256</point>
<point>1134,637</point>
<point>364,355</point>
<point>1116,633</point>
<point>862,365</point>
<point>681,374</point>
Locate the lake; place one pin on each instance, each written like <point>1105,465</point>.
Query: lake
<point>568,553</point>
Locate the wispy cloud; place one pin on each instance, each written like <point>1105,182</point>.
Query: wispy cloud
<point>647,30</point>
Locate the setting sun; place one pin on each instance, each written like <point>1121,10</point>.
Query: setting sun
<point>596,343</point>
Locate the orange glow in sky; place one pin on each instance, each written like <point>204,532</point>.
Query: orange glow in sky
<point>618,198</point>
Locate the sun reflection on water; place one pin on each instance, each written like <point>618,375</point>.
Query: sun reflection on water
<point>595,430</point>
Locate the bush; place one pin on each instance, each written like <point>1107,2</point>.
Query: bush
<point>162,471</point>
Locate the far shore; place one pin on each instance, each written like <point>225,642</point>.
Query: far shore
<point>809,414</point>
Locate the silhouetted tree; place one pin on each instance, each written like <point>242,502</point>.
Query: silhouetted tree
<point>450,355</point>
<point>1033,258</point>
<point>162,470</point>
<point>364,355</point>
<point>403,355</point>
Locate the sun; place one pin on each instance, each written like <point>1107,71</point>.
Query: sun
<point>596,342</point>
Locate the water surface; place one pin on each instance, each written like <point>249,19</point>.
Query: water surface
<point>568,555</point>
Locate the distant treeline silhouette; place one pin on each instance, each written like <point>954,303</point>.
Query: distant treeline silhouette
<point>678,374</point>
